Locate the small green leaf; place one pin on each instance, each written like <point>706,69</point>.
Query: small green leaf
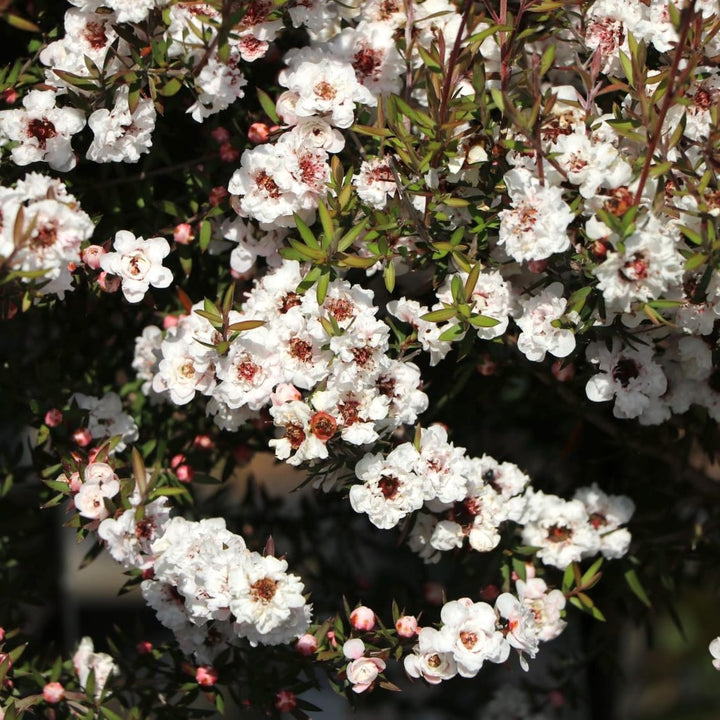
<point>452,333</point>
<point>482,321</point>
<point>322,287</point>
<point>244,325</point>
<point>268,105</point>
<point>170,88</point>
<point>389,276</point>
<point>305,232</point>
<point>635,585</point>
<point>205,234</point>
<point>437,316</point>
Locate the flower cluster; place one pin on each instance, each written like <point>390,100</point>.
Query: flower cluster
<point>42,232</point>
<point>211,591</point>
<point>427,189</point>
<point>323,369</point>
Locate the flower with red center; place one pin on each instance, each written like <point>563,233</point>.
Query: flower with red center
<point>323,426</point>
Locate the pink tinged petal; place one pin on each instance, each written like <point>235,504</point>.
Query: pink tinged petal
<point>354,649</point>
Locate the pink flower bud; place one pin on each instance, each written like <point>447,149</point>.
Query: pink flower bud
<point>599,249</point>
<point>53,417</point>
<point>220,135</point>
<point>563,374</point>
<point>82,437</point>
<point>206,676</point>
<point>144,647</point>
<point>185,473</point>
<point>203,442</point>
<point>75,482</point>
<point>177,460</point>
<point>228,153</point>
<point>217,195</point>
<point>10,96</point>
<point>306,644</point>
<point>285,392</point>
<point>2,634</point>
<point>53,693</point>
<point>331,638</point>
<point>183,234</point>
<point>362,618</point>
<point>91,256</point>
<point>537,266</point>
<point>93,454</point>
<point>285,701</point>
<point>406,626</point>
<point>108,283</point>
<point>258,133</point>
<point>170,321</point>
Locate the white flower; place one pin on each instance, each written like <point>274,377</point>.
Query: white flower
<point>631,376</point>
<point>470,633</point>
<point>545,606</point>
<point>427,661</point>
<point>265,600</point>
<point>122,135</point>
<point>539,333</point>
<point>42,229</point>
<point>606,514</point>
<point>101,665</point>
<point>42,131</point>
<point>375,182</point>
<point>106,419</point>
<point>390,488</point>
<point>561,529</point>
<point>138,263</point>
<point>648,266</point>
<point>129,539</point>
<point>521,630</point>
<point>536,226</point>
<point>363,672</point>
<point>715,652</point>
<point>324,86</point>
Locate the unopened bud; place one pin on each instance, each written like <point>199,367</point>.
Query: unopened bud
<point>306,644</point>
<point>362,618</point>
<point>183,234</point>
<point>206,676</point>
<point>258,133</point>
<point>53,417</point>
<point>53,693</point>
<point>82,437</point>
<point>91,256</point>
<point>406,626</point>
<point>108,283</point>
